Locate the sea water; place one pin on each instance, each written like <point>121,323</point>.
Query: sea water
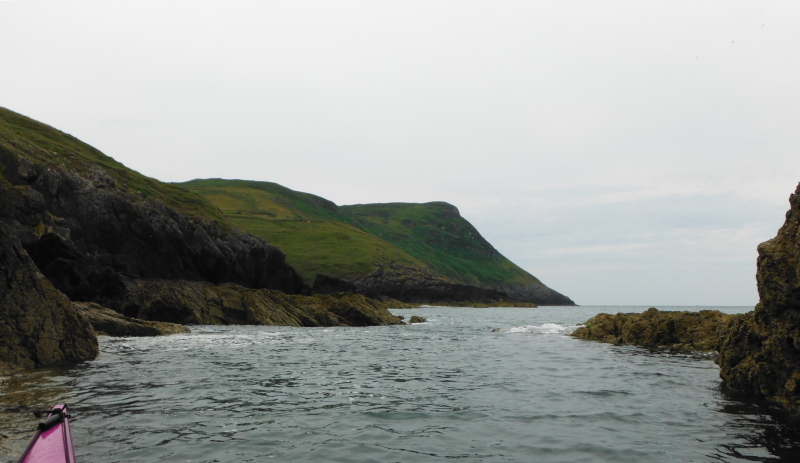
<point>482,385</point>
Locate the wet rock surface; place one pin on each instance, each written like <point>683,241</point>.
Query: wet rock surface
<point>192,302</point>
<point>680,331</point>
<point>760,355</point>
<point>38,325</point>
<point>108,322</point>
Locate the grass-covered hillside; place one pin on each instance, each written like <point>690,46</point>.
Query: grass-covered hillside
<point>437,234</point>
<point>349,241</point>
<point>316,235</point>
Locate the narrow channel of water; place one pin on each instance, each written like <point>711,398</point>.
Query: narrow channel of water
<point>447,389</point>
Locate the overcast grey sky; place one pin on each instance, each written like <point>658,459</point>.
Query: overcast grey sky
<point>624,152</point>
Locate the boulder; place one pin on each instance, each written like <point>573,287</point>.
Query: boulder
<point>38,324</point>
<point>106,321</point>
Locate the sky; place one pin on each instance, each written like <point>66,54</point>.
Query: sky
<point>624,152</point>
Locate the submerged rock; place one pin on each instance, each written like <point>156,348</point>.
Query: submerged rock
<point>680,331</point>
<point>38,325</point>
<point>760,355</point>
<point>106,321</point>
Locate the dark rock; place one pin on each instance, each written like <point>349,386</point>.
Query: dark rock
<point>761,353</point>
<point>417,319</point>
<point>192,302</point>
<point>415,285</point>
<point>86,236</point>
<point>538,294</point>
<point>324,284</point>
<point>109,322</point>
<point>38,325</point>
<point>680,331</point>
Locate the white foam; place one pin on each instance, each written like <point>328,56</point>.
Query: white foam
<point>546,328</point>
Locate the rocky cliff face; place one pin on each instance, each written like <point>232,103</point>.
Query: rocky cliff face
<point>761,353</point>
<point>38,325</point>
<point>108,322</point>
<point>75,224</point>
<point>86,236</point>
<point>193,302</point>
<point>538,293</point>
<point>415,285</point>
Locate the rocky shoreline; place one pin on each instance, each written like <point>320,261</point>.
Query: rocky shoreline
<point>88,246</point>
<point>758,352</point>
<point>684,332</point>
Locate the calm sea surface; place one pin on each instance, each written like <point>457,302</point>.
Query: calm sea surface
<point>448,389</point>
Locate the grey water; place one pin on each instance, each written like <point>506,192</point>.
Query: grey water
<point>448,389</point>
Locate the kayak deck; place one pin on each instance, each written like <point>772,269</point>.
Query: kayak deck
<point>53,444</point>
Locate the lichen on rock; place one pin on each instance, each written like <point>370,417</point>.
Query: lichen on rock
<point>760,355</point>
<point>680,331</point>
<point>194,302</point>
<point>108,322</point>
<point>38,325</point>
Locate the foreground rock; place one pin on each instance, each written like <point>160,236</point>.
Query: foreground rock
<point>680,331</point>
<point>38,325</point>
<point>192,302</point>
<point>761,353</point>
<point>106,321</point>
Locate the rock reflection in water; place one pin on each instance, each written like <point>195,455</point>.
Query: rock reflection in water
<point>763,426</point>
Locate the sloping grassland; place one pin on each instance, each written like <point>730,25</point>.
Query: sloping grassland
<point>351,241</point>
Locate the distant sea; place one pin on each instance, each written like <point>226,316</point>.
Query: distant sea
<point>449,389</point>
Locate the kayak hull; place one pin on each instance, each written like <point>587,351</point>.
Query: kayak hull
<point>52,445</point>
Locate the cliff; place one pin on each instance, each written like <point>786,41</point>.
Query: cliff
<point>79,226</point>
<point>760,355</point>
<point>412,252</point>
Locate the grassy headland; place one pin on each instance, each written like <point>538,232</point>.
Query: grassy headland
<point>351,241</point>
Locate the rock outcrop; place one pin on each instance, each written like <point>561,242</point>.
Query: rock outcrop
<point>77,225</point>
<point>111,323</point>
<point>86,236</point>
<point>679,331</point>
<point>415,285</point>
<point>193,302</point>
<point>324,284</point>
<point>38,325</point>
<point>761,353</point>
<point>534,293</point>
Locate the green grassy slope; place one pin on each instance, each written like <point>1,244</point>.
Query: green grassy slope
<point>26,137</point>
<point>315,234</point>
<point>437,234</point>
<point>319,237</point>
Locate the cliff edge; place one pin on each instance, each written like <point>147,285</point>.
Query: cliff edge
<point>760,354</point>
